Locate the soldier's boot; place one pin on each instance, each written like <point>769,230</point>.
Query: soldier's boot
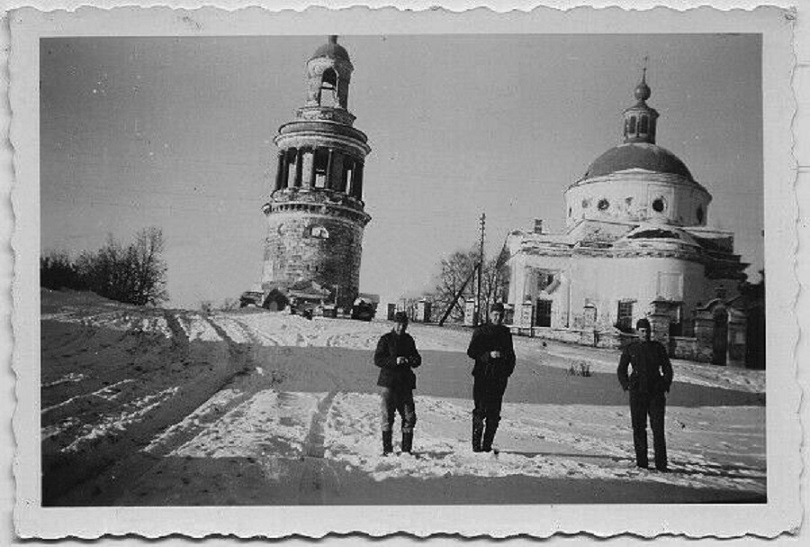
<point>407,441</point>
<point>388,446</point>
<point>477,431</point>
<point>489,435</point>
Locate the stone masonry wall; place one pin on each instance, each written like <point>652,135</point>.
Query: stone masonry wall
<point>318,247</point>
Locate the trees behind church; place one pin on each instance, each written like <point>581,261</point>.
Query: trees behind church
<point>134,274</point>
<point>456,270</point>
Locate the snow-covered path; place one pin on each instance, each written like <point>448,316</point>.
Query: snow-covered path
<point>285,330</point>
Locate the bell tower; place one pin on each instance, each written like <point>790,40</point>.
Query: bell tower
<point>640,120</point>
<point>315,214</point>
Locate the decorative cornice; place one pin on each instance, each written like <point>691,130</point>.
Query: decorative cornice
<point>347,208</point>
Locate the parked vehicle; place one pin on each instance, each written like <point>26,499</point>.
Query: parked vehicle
<point>251,299</point>
<point>363,310</point>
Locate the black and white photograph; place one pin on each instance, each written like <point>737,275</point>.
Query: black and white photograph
<point>368,266</point>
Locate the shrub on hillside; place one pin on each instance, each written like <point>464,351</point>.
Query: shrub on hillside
<point>135,274</point>
<point>56,271</point>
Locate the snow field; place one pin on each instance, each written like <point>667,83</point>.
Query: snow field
<point>267,422</point>
<point>552,441</point>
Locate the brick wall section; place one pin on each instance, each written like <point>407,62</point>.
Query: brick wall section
<point>293,253</point>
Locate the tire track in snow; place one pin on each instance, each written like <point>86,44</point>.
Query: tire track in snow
<point>314,483</point>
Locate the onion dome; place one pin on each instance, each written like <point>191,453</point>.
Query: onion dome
<point>331,50</point>
<point>642,92</point>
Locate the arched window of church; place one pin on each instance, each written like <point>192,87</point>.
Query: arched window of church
<point>699,214</point>
<point>328,91</point>
<point>644,125</point>
<point>632,124</point>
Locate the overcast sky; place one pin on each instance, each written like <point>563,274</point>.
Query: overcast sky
<point>177,133</point>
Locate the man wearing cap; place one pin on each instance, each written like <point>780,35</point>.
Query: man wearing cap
<point>396,355</point>
<point>649,381</point>
<point>491,347</point>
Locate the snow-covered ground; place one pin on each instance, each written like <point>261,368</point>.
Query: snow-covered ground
<point>285,330</point>
<point>723,450</point>
<point>277,392</point>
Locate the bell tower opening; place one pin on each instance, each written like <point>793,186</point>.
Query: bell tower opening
<point>328,94</point>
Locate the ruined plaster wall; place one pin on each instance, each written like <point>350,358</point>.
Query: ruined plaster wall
<point>603,282</point>
<point>630,196</point>
<point>293,254</point>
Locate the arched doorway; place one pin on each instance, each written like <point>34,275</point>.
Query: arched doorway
<point>720,341</point>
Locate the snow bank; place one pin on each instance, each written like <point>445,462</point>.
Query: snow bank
<point>114,320</point>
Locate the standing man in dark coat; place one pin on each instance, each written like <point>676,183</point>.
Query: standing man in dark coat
<point>396,355</point>
<point>649,381</point>
<point>491,347</point>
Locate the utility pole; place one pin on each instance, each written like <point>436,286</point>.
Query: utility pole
<point>479,319</point>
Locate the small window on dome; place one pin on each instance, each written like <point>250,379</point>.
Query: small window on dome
<point>644,123</point>
<point>632,125</point>
<point>658,205</point>
<point>699,214</point>
<point>603,204</point>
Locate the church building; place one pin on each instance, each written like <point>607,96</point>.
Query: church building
<point>637,243</point>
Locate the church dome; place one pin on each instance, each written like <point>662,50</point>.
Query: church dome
<point>332,50</point>
<point>637,155</point>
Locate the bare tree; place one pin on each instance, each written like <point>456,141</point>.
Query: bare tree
<point>135,274</point>
<point>457,269</point>
<point>149,269</point>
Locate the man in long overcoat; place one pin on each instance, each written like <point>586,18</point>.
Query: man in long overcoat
<point>648,383</point>
<point>396,355</point>
<point>491,347</point>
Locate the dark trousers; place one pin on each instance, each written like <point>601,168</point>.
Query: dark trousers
<point>488,398</point>
<point>397,400</point>
<point>641,406</point>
